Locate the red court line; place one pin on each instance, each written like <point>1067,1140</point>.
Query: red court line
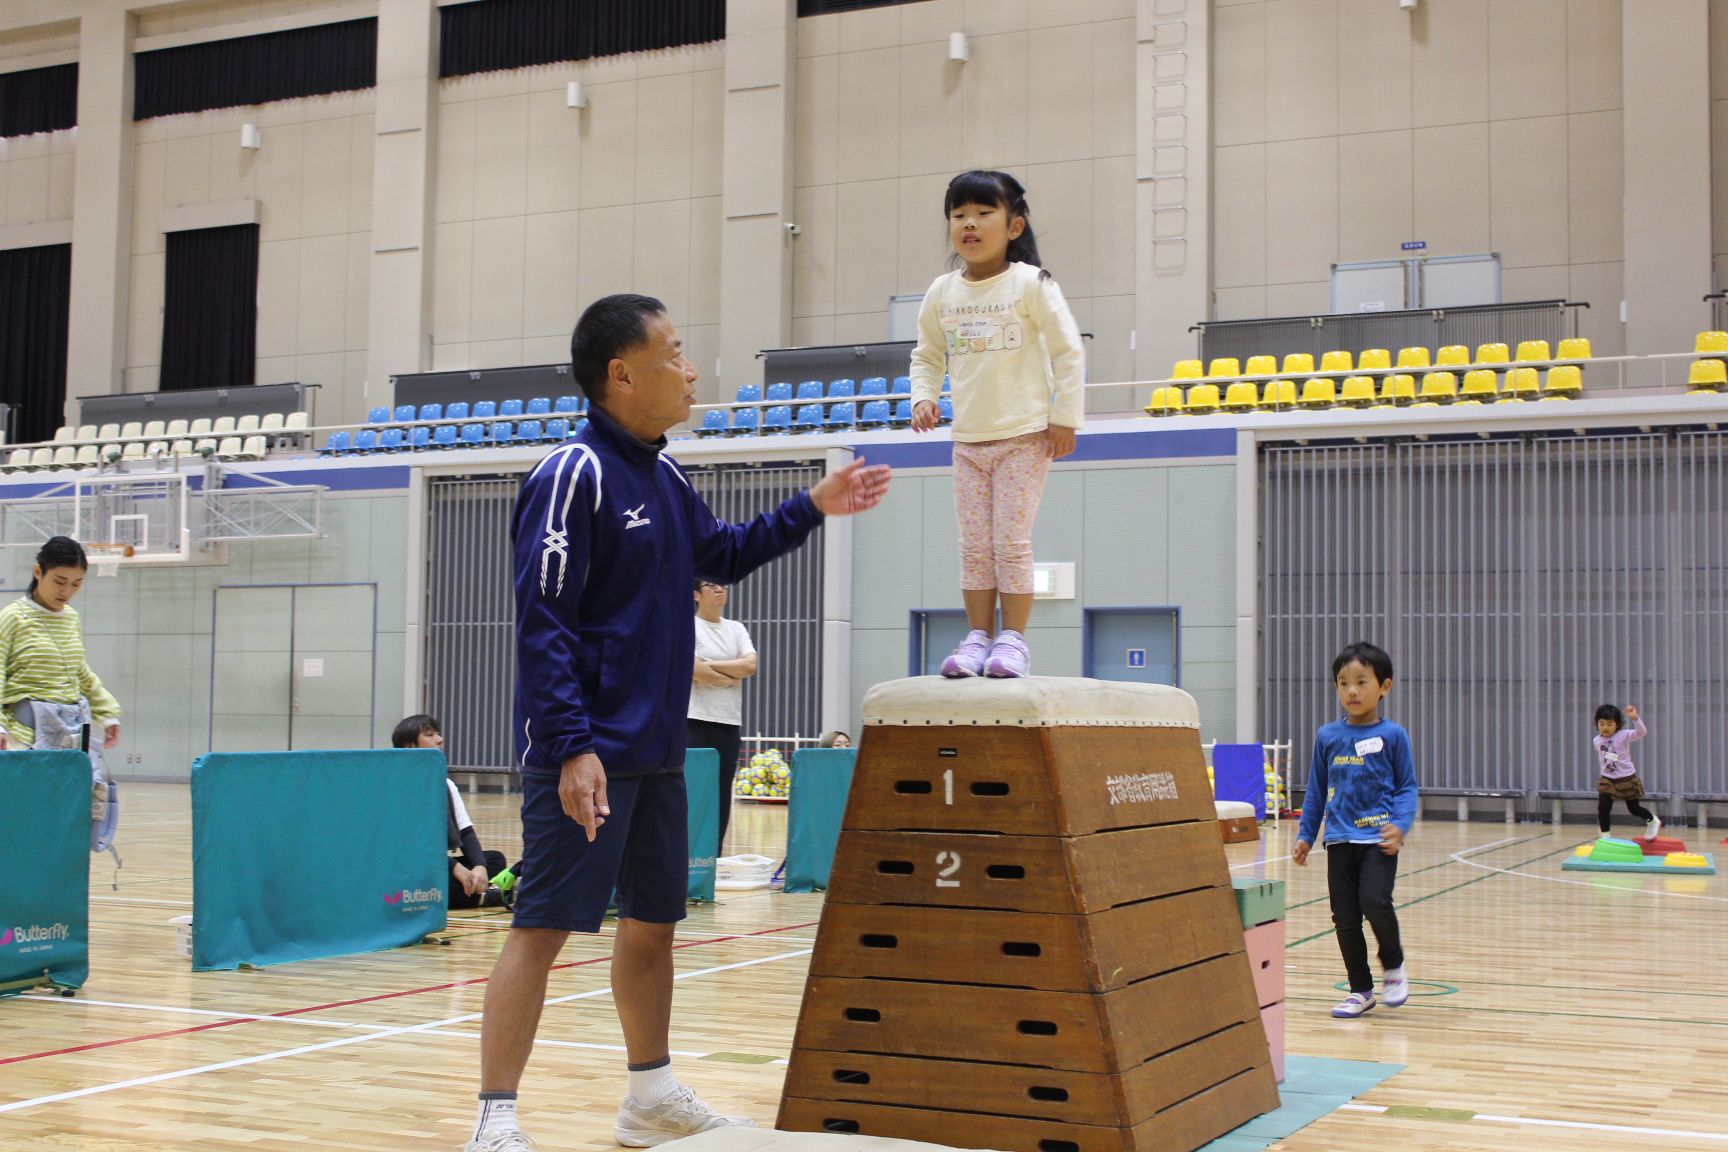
<point>364,1000</point>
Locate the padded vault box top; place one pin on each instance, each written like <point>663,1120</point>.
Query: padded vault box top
<point>1029,702</point>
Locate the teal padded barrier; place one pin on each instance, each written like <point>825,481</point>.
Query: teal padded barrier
<point>45,823</point>
<point>702,786</point>
<point>821,777</point>
<point>262,822</point>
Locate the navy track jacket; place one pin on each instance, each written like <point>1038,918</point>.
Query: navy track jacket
<point>608,537</point>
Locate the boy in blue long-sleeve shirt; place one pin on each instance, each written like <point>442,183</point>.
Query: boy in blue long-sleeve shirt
<point>1362,782</point>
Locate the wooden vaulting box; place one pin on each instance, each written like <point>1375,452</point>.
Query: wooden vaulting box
<point>1030,942</point>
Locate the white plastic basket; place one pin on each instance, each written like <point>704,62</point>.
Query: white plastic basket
<point>736,873</point>
<point>183,935</point>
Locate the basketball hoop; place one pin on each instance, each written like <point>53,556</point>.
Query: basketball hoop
<point>105,558</point>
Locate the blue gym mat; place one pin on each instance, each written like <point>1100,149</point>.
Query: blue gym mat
<point>1313,1086</point>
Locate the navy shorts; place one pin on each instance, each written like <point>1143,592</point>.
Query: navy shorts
<point>641,853</point>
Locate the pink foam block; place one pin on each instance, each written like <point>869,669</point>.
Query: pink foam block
<point>1273,1019</point>
<point>1266,957</point>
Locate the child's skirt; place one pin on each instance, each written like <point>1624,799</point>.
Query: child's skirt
<point>1622,788</point>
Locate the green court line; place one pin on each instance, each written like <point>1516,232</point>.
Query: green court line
<point>741,1058</point>
<point>1713,995</point>
<point>1453,888</point>
<point>1427,868</point>
<point>1411,1112</point>
<point>1542,1012</point>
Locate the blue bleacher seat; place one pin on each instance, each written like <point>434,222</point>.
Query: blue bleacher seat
<point>713,423</point>
<point>444,436</point>
<point>842,416</point>
<point>902,386</point>
<point>902,414</point>
<point>404,413</point>
<point>539,406</point>
<point>580,424</point>
<point>749,393</point>
<point>431,412</point>
<point>874,414</point>
<point>779,392</point>
<point>420,437</point>
<point>473,435</point>
<point>530,431</point>
<point>378,416</point>
<point>456,410</point>
<point>485,409</point>
<point>744,420</point>
<point>810,390</point>
<point>841,390</point>
<point>502,432</point>
<point>809,418</point>
<point>874,386</point>
<point>777,421</point>
<point>338,443</point>
<point>510,409</point>
<point>557,429</point>
<point>567,405</point>
<point>366,440</point>
<point>392,439</point>
<point>947,407</point>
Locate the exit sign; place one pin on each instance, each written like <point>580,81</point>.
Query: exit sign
<point>1414,245</point>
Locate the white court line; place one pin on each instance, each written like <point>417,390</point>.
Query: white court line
<point>1460,858</point>
<point>1258,863</point>
<point>429,1026</point>
<point>1628,1129</point>
<point>138,900</point>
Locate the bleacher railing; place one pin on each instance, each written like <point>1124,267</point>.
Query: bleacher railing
<point>1550,320</point>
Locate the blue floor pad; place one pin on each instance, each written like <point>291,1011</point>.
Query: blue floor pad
<point>1648,864</point>
<point>1313,1086</point>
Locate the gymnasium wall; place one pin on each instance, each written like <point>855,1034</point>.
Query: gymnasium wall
<point>1719,137</point>
<point>1343,128</point>
<point>885,120</point>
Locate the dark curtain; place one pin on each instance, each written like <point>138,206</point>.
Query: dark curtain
<point>39,100</point>
<point>256,69</point>
<point>823,7</point>
<point>35,309</point>
<point>210,308</point>
<point>494,35</point>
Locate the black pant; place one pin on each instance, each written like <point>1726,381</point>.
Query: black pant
<point>1605,808</point>
<point>459,897</point>
<point>1360,877</point>
<point>725,739</point>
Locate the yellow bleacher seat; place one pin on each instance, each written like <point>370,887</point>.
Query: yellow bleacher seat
<point>1374,359</point>
<point>1262,366</point>
<point>1520,383</point>
<point>1318,393</point>
<point>1279,394</point>
<point>1412,357</point>
<point>1241,396</point>
<point>1155,404</point>
<point>1492,354</point>
<point>1357,391</point>
<point>1479,385</point>
<point>1533,350</point>
<point>1298,363</point>
<point>1399,388</point>
<point>1711,342</point>
<point>1172,400</point>
<point>1224,368</point>
<point>1331,362</point>
<point>1706,376</point>
<point>1573,348</point>
<point>1563,383</point>
<point>1437,386</point>
<point>1452,356</point>
<point>1203,398</point>
<point>1187,370</point>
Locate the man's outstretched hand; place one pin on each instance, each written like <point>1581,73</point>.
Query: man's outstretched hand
<point>854,488</point>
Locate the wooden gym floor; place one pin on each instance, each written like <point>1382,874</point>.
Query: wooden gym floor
<point>1563,1011</point>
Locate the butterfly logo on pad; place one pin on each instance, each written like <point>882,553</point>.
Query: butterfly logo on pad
<point>6,939</point>
<point>392,897</point>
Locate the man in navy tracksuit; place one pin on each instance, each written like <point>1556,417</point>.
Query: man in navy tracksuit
<point>608,537</point>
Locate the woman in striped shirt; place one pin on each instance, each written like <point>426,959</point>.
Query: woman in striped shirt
<point>47,691</point>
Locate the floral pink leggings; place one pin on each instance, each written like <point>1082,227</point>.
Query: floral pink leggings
<point>997,487</point>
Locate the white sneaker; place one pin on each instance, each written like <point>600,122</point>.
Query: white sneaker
<point>511,1141</point>
<point>1653,828</point>
<point>1353,1005</point>
<point>681,1114</point>
<point>1394,987</point>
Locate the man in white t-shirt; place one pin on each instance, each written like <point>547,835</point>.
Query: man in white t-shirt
<point>725,658</point>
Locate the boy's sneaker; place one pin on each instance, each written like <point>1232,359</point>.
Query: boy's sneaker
<point>681,1114</point>
<point>1394,987</point>
<point>1653,828</point>
<point>968,659</point>
<point>1009,657</point>
<point>512,1141</point>
<point>1353,1005</point>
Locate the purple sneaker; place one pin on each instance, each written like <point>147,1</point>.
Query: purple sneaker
<point>968,659</point>
<point>1008,657</point>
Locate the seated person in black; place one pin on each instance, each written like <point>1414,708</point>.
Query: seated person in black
<point>478,877</point>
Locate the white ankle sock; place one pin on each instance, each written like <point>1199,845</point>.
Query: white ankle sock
<point>649,1086</point>
<point>497,1113</point>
